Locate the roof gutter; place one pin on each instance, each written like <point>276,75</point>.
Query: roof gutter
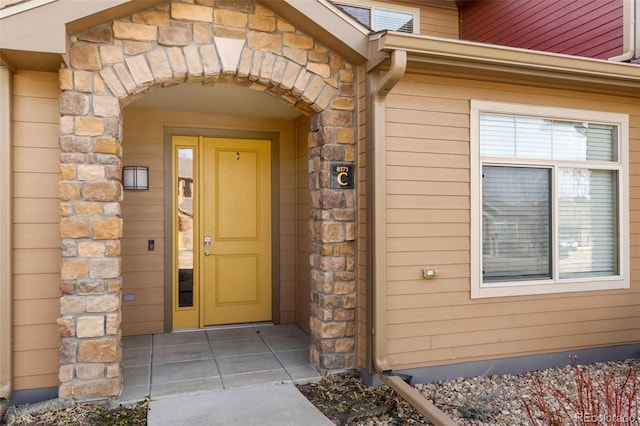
<point>447,57</point>
<point>631,13</point>
<point>378,91</point>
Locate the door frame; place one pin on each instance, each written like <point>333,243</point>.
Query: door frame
<point>274,137</point>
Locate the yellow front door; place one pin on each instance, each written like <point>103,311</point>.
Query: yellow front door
<point>236,265</point>
<point>232,232</point>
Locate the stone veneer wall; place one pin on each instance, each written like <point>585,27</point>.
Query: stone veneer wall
<point>209,42</point>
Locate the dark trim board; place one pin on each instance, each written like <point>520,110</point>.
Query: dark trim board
<point>32,396</point>
<point>513,366</point>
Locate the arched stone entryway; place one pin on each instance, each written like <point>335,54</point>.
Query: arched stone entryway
<point>223,41</point>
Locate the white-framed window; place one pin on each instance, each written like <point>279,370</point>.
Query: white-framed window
<point>382,16</point>
<point>549,200</point>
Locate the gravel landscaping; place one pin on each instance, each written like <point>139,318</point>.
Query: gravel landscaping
<point>503,400</point>
<point>488,400</point>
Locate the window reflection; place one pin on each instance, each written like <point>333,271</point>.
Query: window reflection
<point>185,227</point>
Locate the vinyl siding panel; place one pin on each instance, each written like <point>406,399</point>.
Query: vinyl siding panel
<point>435,322</point>
<point>143,212</point>
<point>439,22</point>
<point>287,198</point>
<point>303,266</point>
<point>574,27</point>
<point>143,220</point>
<point>435,20</point>
<point>36,240</point>
<point>37,366</point>
<point>36,135</point>
<point>363,337</point>
<point>34,286</point>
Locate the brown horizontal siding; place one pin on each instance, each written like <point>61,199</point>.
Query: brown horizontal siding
<point>362,336</point>
<point>36,239</point>
<point>36,235</point>
<point>434,322</point>
<point>500,350</point>
<point>575,27</point>
<point>439,22</point>
<point>36,160</point>
<point>143,220</point>
<point>453,337</point>
<point>435,20</point>
<point>456,330</point>
<point>36,135</point>
<point>36,286</point>
<point>302,264</point>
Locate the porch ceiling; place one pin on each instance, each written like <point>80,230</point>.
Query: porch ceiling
<point>221,98</point>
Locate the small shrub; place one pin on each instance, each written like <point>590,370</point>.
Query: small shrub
<point>481,407</point>
<point>609,399</point>
<point>477,412</point>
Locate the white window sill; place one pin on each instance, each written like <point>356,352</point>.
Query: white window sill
<point>526,288</point>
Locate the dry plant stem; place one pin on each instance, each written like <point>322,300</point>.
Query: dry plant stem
<point>604,399</point>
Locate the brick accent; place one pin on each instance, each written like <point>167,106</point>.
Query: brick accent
<point>208,41</point>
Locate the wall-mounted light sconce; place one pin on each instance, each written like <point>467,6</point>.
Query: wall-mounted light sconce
<point>135,177</point>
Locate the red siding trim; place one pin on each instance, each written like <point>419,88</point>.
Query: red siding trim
<point>592,28</point>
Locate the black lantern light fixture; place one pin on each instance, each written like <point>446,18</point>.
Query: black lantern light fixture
<point>135,177</point>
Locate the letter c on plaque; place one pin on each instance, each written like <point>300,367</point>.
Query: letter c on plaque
<point>341,177</point>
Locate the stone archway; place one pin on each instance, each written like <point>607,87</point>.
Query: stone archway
<point>238,42</point>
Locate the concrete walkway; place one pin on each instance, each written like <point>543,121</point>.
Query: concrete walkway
<point>222,376</point>
<point>264,405</point>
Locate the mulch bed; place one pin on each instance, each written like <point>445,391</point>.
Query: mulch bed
<point>86,414</point>
<point>346,400</point>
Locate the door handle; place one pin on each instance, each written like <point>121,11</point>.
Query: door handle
<point>207,253</point>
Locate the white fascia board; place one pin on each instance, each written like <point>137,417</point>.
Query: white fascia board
<point>42,28</point>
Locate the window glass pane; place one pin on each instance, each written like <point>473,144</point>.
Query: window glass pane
<point>515,137</point>
<point>581,141</point>
<point>539,138</point>
<point>391,20</point>
<point>533,138</point>
<point>515,223</point>
<point>362,14</point>
<point>587,223</point>
<point>602,142</point>
<point>497,136</point>
<point>185,236</point>
<point>569,141</point>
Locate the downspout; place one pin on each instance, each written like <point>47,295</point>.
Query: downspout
<point>631,13</point>
<point>378,95</point>
<point>6,240</point>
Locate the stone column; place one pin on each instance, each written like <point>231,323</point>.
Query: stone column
<point>333,236</point>
<point>90,231</point>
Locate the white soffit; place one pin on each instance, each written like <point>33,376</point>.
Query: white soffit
<point>13,7</point>
<point>39,25</point>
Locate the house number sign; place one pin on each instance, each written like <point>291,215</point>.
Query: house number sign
<point>341,175</point>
